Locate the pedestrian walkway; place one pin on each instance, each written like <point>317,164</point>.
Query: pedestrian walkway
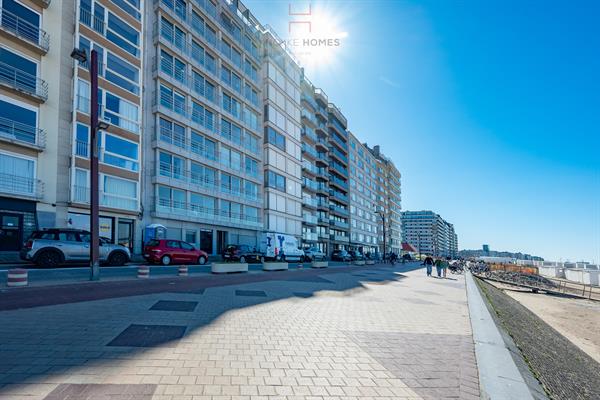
<point>378,333</point>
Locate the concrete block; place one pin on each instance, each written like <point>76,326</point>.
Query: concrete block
<point>370,262</point>
<point>275,266</point>
<point>226,268</point>
<point>359,262</point>
<point>319,264</point>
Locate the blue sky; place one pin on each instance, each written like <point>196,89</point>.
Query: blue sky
<point>491,111</point>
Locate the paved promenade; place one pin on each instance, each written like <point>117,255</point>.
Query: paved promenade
<point>343,333</point>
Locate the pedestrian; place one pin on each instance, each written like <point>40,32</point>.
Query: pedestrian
<point>438,267</point>
<point>428,264</point>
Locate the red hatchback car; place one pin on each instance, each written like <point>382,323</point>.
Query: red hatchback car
<point>169,251</point>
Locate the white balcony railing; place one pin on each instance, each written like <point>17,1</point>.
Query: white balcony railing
<point>21,186</point>
<point>23,81</point>
<point>81,194</point>
<point>24,134</point>
<point>24,29</point>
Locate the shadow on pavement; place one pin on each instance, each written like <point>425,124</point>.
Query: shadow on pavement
<point>97,334</point>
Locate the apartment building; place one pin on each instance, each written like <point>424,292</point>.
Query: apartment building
<point>339,214</point>
<point>388,193</point>
<point>282,139</point>
<point>364,219</point>
<point>203,174</point>
<point>429,233</point>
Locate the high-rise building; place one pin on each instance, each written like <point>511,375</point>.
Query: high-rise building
<point>203,155</point>
<point>364,219</point>
<point>429,233</point>
<point>213,130</point>
<point>282,146</point>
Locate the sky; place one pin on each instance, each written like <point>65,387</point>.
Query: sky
<point>490,110</point>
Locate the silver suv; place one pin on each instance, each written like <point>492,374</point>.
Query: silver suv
<point>314,254</point>
<point>52,247</point>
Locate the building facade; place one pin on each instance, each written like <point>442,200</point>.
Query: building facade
<point>429,233</point>
<point>214,131</point>
<point>282,145</point>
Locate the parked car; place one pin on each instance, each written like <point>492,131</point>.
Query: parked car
<point>340,255</point>
<point>313,254</point>
<point>242,253</point>
<point>169,251</point>
<point>356,255</point>
<point>52,247</point>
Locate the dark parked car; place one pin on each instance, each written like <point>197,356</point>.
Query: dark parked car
<point>169,251</point>
<point>356,255</point>
<point>242,253</point>
<point>340,255</point>
<point>52,247</point>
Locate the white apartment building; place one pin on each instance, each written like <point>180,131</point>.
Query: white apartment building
<point>282,144</point>
<point>429,233</point>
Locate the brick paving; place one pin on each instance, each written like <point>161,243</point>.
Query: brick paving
<point>339,337</point>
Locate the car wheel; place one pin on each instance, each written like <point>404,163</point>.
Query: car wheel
<point>166,260</point>
<point>201,260</point>
<point>117,259</point>
<point>49,258</point>
<point>243,259</point>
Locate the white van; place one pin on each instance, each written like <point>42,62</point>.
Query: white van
<point>279,246</point>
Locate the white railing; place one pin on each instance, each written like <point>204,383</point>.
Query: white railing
<point>18,132</point>
<point>21,186</point>
<point>81,194</point>
<point>24,29</point>
<point>215,215</point>
<point>23,81</point>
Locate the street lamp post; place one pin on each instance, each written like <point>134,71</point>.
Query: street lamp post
<point>382,215</point>
<point>81,56</point>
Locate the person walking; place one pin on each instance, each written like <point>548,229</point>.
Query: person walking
<point>428,265</point>
<point>438,267</point>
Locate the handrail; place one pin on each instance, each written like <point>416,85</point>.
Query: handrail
<point>24,29</point>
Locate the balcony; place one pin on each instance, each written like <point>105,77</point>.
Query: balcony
<point>322,187</point>
<point>322,142</point>
<point>339,182</point>
<point>323,204</point>
<point>339,224</point>
<point>339,238</point>
<point>322,127</point>
<point>335,139</point>
<point>308,166</point>
<point>20,186</point>
<point>338,210</point>
<point>309,133</point>
<point>24,83</point>
<point>42,3</point>
<point>309,219</point>
<point>306,149</point>
<point>338,154</point>
<point>339,168</point>
<point>324,235</point>
<point>83,105</point>
<point>339,120</point>
<point>321,96</point>
<point>30,34</point>
<point>322,173</point>
<point>81,194</point>
<point>21,134</point>
<point>309,116</point>
<point>309,201</point>
<point>310,236</point>
<point>309,184</point>
<point>214,216</point>
<point>323,220</point>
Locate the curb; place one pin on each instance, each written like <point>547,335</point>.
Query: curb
<point>499,377</point>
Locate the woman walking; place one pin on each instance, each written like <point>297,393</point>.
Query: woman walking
<point>438,267</point>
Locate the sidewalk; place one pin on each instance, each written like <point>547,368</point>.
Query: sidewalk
<point>378,333</point>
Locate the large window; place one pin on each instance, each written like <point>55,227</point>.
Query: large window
<point>202,204</point>
<point>171,166</point>
<point>120,152</point>
<point>173,34</point>
<point>203,175</point>
<point>172,132</point>
<point>275,138</point>
<point>121,113</point>
<point>172,66</point>
<point>123,35</point>
<point>131,7</point>
<point>119,193</point>
<point>203,116</point>
<point>231,105</point>
<point>172,100</point>
<point>18,71</point>
<point>251,166</point>
<point>171,198</point>
<point>17,175</point>
<point>205,147</point>
<point>274,180</point>
<point>231,131</point>
<point>202,86</point>
<point>17,122</point>
<point>121,73</point>
<point>21,20</point>
<point>203,57</point>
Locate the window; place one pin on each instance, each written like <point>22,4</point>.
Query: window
<point>203,57</point>
<point>21,20</point>
<point>203,175</point>
<point>119,193</point>
<point>274,180</point>
<point>122,34</point>
<point>250,70</point>
<point>171,166</point>
<point>122,74</point>
<point>82,140</point>
<point>251,213</point>
<point>18,71</point>
<point>251,166</point>
<point>251,190</point>
<point>250,118</point>
<point>202,86</point>
<point>231,105</point>
<point>120,153</point>
<point>202,116</point>
<point>172,100</point>
<point>18,122</point>
<point>250,94</point>
<point>173,244</point>
<point>131,7</point>
<point>173,34</point>
<point>17,174</point>
<point>251,142</point>
<point>120,112</point>
<point>171,198</point>
<point>171,132</point>
<point>231,131</point>
<point>275,138</point>
<point>203,146</point>
<point>172,66</point>
<point>236,82</point>
<point>202,204</point>
<point>230,158</point>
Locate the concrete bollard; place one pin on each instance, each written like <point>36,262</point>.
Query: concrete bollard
<point>16,277</point>
<point>143,272</point>
<point>183,270</point>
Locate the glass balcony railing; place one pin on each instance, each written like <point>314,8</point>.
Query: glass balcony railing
<point>339,210</point>
<point>339,238</point>
<point>23,82</point>
<point>310,133</point>
<point>308,166</point>
<point>339,224</point>
<point>309,201</point>
<point>310,236</point>
<point>309,150</point>
<point>338,181</point>
<point>81,194</point>
<point>24,30</point>
<point>338,154</point>
<point>309,219</point>
<point>17,132</point>
<point>310,116</point>
<point>307,183</point>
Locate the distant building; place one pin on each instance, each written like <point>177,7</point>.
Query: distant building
<point>493,253</point>
<point>486,248</point>
<point>429,233</point>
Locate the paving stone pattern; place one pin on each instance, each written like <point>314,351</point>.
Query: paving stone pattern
<point>101,392</point>
<point>306,340</point>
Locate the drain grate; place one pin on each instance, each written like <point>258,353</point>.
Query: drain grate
<point>170,305</point>
<point>148,335</point>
